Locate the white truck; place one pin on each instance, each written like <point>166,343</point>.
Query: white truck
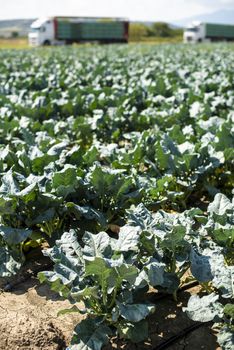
<point>42,32</point>
<point>198,32</point>
<point>68,30</point>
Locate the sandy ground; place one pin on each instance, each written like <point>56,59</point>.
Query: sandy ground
<point>28,320</point>
<point>28,316</point>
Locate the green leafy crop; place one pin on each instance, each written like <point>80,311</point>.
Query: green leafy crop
<point>120,160</point>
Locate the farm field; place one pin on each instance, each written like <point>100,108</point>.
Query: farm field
<point>116,197</point>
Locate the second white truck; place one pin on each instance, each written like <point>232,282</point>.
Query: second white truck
<point>199,32</point>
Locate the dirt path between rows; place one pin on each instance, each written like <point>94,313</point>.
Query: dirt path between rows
<point>28,320</point>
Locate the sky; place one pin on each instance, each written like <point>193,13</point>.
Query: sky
<point>158,10</point>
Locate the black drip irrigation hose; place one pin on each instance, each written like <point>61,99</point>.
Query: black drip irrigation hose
<point>182,334</point>
<point>188,286</point>
<point>11,286</point>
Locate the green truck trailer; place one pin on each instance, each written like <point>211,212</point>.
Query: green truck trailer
<point>67,30</point>
<point>219,31</point>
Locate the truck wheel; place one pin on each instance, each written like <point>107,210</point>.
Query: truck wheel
<point>46,43</point>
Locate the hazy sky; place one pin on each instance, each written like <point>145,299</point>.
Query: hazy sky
<point>165,10</point>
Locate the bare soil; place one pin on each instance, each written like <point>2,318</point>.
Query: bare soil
<point>28,315</point>
<point>28,319</point>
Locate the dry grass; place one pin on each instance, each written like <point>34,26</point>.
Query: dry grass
<point>21,43</point>
<point>157,40</point>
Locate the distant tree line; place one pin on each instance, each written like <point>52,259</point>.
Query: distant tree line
<point>139,31</point>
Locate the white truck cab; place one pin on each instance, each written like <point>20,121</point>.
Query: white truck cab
<point>42,32</point>
<point>195,33</point>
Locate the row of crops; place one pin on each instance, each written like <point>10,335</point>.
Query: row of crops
<point>121,159</point>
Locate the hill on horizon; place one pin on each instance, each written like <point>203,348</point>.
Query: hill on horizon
<point>10,26</point>
<point>222,17</point>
